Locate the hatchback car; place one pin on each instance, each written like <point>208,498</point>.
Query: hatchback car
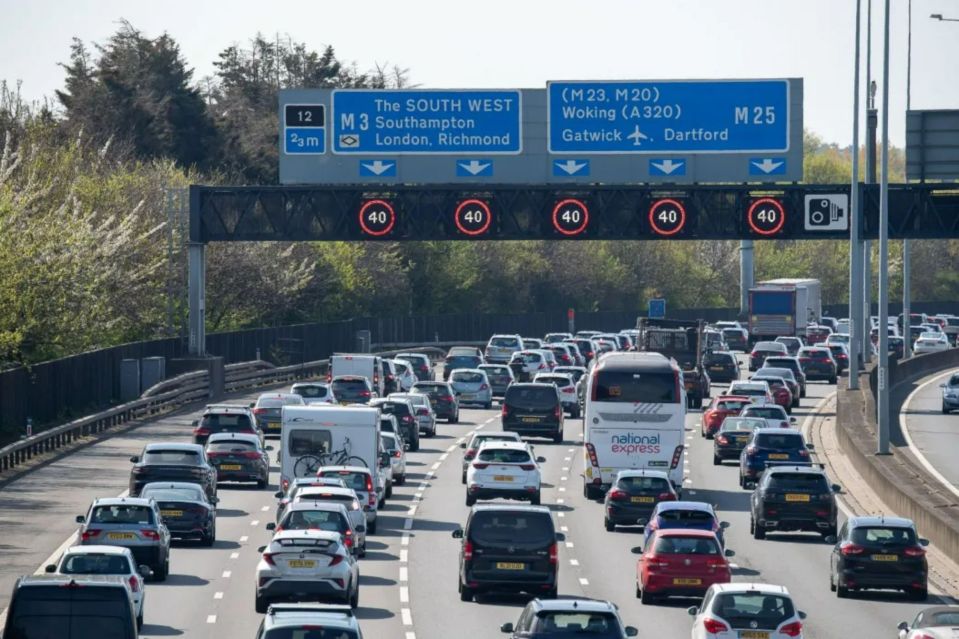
<point>106,560</point>
<point>309,620</point>
<point>314,393</point>
<point>526,364</point>
<point>503,469</point>
<point>793,364</point>
<point>352,389</point>
<point>553,338</point>
<point>507,548</point>
<point>722,366</point>
<point>696,515</point>
<point>500,376</point>
<point>790,498</point>
<point>471,447</point>
<point>718,410</point>
<point>268,406</point>
<point>130,522</point>
<point>186,510</point>
<point>563,354</point>
<point>393,445</point>
<point>422,410</point>
<point>762,350</point>
<point>736,338</point>
<point>340,495</point>
<point>501,347</point>
<point>405,414</point>
<point>361,481</point>
<point>733,437</point>
<point>747,609</point>
<point>533,410</point>
<point>758,391</point>
<point>306,564</point>
<point>774,415</point>
<point>569,617</point>
<point>817,334</point>
<point>950,394</point>
<point>879,553</point>
<point>422,366</point>
<point>778,387</point>
<point>633,497</point>
<point>680,562</point>
<point>285,498</point>
<point>472,386</point>
<point>840,353</point>
<point>225,418</point>
<point>442,398</point>
<point>817,363</point>
<point>567,391</point>
<point>793,344</point>
<point>787,375</point>
<point>771,446</point>
<point>331,516</point>
<point>455,359</point>
<point>585,347</point>
<point>239,458</point>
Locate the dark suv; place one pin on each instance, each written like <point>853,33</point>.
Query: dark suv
<point>770,447</point>
<point>793,498</point>
<point>568,617</point>
<point>508,548</point>
<point>817,363</point>
<point>172,462</point>
<point>533,409</point>
<point>792,363</point>
<point>405,417</point>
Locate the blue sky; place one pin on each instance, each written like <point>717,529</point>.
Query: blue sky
<point>524,43</point>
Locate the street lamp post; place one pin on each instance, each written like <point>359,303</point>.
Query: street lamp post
<point>906,248</point>
<point>882,398</point>
<point>855,241</point>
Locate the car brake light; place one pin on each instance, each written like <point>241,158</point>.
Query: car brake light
<point>202,432</point>
<point>335,560</point>
<point>480,465</point>
<point>558,412</point>
<point>423,412</point>
<point>714,626</point>
<point>369,484</point>
<point>134,584</point>
<point>784,424</point>
<point>505,411</point>
<point>268,557</point>
<point>470,453</point>
<point>751,450</point>
<point>850,548</point>
<point>408,419</point>
<point>677,455</point>
<point>618,495</point>
<point>793,629</point>
<point>365,393</point>
<point>717,563</point>
<point>446,398</point>
<point>915,551</point>
<point>397,453</point>
<point>371,501</point>
<point>803,452</point>
<point>553,553</point>
<point>259,411</point>
<point>390,378</point>
<point>250,455</point>
<point>468,550</point>
<point>150,534</point>
<point>591,451</point>
<point>528,466</point>
<point>666,497</point>
<point>285,483</point>
<point>722,440</point>
<point>90,534</point>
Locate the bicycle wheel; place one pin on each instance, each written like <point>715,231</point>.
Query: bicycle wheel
<point>353,460</point>
<point>306,466</point>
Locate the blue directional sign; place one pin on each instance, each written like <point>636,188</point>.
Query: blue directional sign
<point>571,167</point>
<point>657,309</point>
<point>378,168</point>
<point>304,140</point>
<point>474,168</point>
<point>427,122</point>
<point>729,116</point>
<point>667,166</point>
<point>767,166</point>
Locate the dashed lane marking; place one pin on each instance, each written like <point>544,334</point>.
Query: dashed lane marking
<point>574,562</point>
<point>583,581</point>
<point>211,618</point>
<point>244,539</point>
<point>255,522</point>
<point>569,544</point>
<point>404,574</point>
<point>404,555</point>
<point>227,574</point>
<point>218,595</point>
<point>407,617</point>
<point>265,508</point>
<point>404,594</point>
<point>234,555</point>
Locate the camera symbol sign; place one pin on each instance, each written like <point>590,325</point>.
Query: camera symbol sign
<point>827,212</point>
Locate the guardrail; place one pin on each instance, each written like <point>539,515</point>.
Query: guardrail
<point>175,392</point>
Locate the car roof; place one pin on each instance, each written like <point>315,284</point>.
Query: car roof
<point>98,550</point>
<point>685,532</point>
<point>468,370</point>
<point>685,505</point>
<point>778,431</point>
<point>740,383</point>
<point>635,472</point>
<point>316,504</point>
<point>530,385</point>
<point>512,508</point>
<point>627,361</point>
<point>307,491</point>
<point>225,409</point>
<point>312,533</point>
<point>302,384</point>
<point>723,398</point>
<point>795,470</point>
<point>172,485</point>
<point>225,437</point>
<point>578,604</point>
<point>63,580</point>
<point>504,444</point>
<point>352,469</point>
<point>278,396</point>
<point>123,501</point>
<point>881,520</point>
<point>175,446</point>
<point>742,586</point>
<point>508,435</point>
<point>282,615</point>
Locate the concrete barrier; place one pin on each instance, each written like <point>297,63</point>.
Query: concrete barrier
<point>899,480</point>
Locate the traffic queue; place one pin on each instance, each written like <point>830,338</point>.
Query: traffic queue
<point>340,444</point>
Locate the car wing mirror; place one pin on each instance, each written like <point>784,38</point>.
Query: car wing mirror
<point>636,550</point>
<point>506,627</point>
<point>458,533</point>
<point>463,445</point>
<point>261,549</point>
<point>692,611</point>
<point>278,494</point>
<point>729,552</point>
<point>145,571</point>
<point>540,460</point>
<point>135,459</point>
<point>271,526</point>
<point>195,422</point>
<point>802,614</point>
<point>836,488</point>
<point>214,500</point>
<point>267,448</point>
<point>50,568</point>
<point>631,631</point>
<point>560,536</point>
<point>81,519</point>
<point>831,539</point>
<point>903,626</point>
<point>923,542</point>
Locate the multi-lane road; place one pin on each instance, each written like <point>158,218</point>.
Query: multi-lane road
<point>408,587</point>
<point>934,437</point>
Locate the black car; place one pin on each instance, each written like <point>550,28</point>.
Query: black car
<point>508,549</point>
<point>896,347</point>
<point>793,364</point>
<point>793,344</point>
<point>569,617</point>
<point>793,498</point>
<point>633,496</point>
<point>817,363</point>
<point>403,411</point>
<point>585,347</point>
<point>452,362</point>
<point>771,446</point>
<point>443,399</point>
<point>421,365</point>
<point>534,410</point>
<point>736,339</point>
<point>391,380</point>
<point>722,366</point>
<point>352,389</point>
<point>239,457</point>
<point>186,510</point>
<point>733,436</point>
<point>172,462</point>
<point>841,355</point>
<point>879,552</point>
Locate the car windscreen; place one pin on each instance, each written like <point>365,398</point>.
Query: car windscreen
<point>234,446</point>
<point>309,442</point>
<point>596,625</point>
<point>672,545</point>
<point>172,494</point>
<point>54,612</point>
<point>687,516</point>
<point>531,397</point>
<point>780,363</point>
<point>314,519</point>
<point>732,405</point>
<point>312,392</point>
<point>753,609</point>
<point>309,631</point>
<point>465,377</point>
<point>779,440</point>
<point>636,387</point>
<point>883,535</point>
<point>511,526</point>
<point>504,456</point>
<point>122,514</point>
<point>161,456</point>
<point>350,388</point>
<point>95,564</point>
<point>798,481</point>
<point>643,484</point>
<point>510,342</point>
<point>751,391</point>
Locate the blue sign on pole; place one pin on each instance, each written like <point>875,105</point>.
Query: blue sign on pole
<point>427,122</point>
<point>727,116</point>
<point>657,309</point>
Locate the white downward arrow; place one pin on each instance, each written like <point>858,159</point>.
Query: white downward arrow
<point>768,165</point>
<point>571,166</point>
<point>667,166</point>
<point>474,167</point>
<point>379,167</point>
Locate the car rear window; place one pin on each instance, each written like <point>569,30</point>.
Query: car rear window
<point>504,456</point>
<point>531,397</point>
<point>160,456</point>
<point>814,352</point>
<point>310,631</point>
<point>635,387</point>
<point>798,481</point>
<point>349,387</point>
<point>314,519</point>
<point>95,564</point>
<point>748,610</point>
<point>320,495</point>
<point>732,405</point>
<point>172,494</point>
<point>687,516</point>
<point>394,408</point>
<point>779,440</point>
<point>511,342</point>
<point>673,545</point>
<point>885,535</point>
<point>310,442</point>
<point>354,480</point>
<point>54,612</point>
<point>558,380</point>
<point>718,358</point>
<point>467,378</point>
<point>312,392</point>
<point>738,423</point>
<point>390,444</point>
<point>122,514</point>
<point>643,484</point>
<point>461,361</point>
<point>598,625</point>
<point>219,421</point>
<point>766,412</point>
<point>231,447</point>
<point>510,526</point>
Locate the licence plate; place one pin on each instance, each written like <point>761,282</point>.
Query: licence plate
<point>778,456</point>
<point>509,565</point>
<point>716,368</point>
<point>685,581</point>
<point>530,420</point>
<point>273,426</point>
<point>302,563</point>
<point>502,478</point>
<point>795,497</point>
<point>753,634</point>
<point>641,500</point>
<point>230,467</point>
<point>171,513</point>
<point>467,396</point>
<point>118,535</point>
<point>742,440</point>
<point>885,557</point>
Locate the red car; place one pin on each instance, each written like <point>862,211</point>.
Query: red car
<point>719,409</point>
<point>680,562</point>
<point>779,388</point>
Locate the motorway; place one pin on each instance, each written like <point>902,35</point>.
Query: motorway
<point>408,587</point>
<point>934,437</point>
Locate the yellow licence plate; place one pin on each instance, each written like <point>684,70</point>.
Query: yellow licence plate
<point>641,500</point>
<point>230,467</point>
<point>796,497</point>
<point>171,513</point>
<point>273,426</point>
<point>502,478</point>
<point>301,563</point>
<point>530,420</point>
<point>742,440</point>
<point>685,581</point>
<point>753,634</point>
<point>118,535</point>
<point>885,557</point>
<point>508,565</point>
<point>778,456</point>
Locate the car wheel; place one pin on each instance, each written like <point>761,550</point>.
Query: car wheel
<point>842,592</point>
<point>918,594</point>
<point>832,380</point>
<point>466,593</point>
<point>261,483</point>
<point>535,499</point>
<point>261,605</point>
<point>455,419</point>
<point>589,492</point>
<point>832,583</point>
<point>464,478</point>
<point>717,460</point>
<point>209,540</point>
<point>362,551</point>
<point>945,411</point>
<point>558,437</point>
<point>415,445</point>
<point>488,405</point>
<point>355,599</point>
<point>647,598</point>
<point>470,500</point>
<point>758,531</point>
<point>400,480</point>
<point>372,528</point>
<point>610,526</point>
<point>802,393</point>
<point>389,490</point>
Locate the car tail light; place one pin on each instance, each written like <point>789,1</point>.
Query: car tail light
<point>348,538</point>
<point>365,393</point>
<point>915,551</point>
<point>714,626</point>
<point>369,484</point>
<point>480,465</point>
<point>214,454</point>
<point>528,466</point>
<point>468,550</point>
<point>751,450</point>
<point>618,495</point>
<point>666,497</point>
<point>150,534</point>
<point>677,455</point>
<point>484,386</point>
<point>541,366</point>
<point>376,379</point>
<point>397,453</point>
<point>423,412</point>
<point>654,524</point>
<point>851,549</point>
<point>558,412</point>
<point>721,439</point>
<point>803,452</point>
<point>259,411</point>
<point>268,557</point>
<point>569,389</point>
<point>554,553</point>
<point>335,560</point>
<point>134,583</point>
<point>90,533</point>
<point>470,453</point>
<point>793,629</point>
<point>784,424</point>
<point>250,455</point>
<point>200,431</point>
<point>390,378</point>
<point>805,359</point>
<point>446,398</point>
<point>285,483</point>
<point>717,563</point>
<point>591,451</point>
<point>408,419</point>
<point>371,500</point>
<point>505,411</point>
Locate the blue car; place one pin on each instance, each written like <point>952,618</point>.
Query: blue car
<point>770,447</point>
<point>696,515</point>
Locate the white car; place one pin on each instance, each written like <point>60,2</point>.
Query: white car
<point>774,415</point>
<point>349,499</point>
<point>567,390</point>
<point>106,560</point>
<point>759,392</point>
<point>306,564</point>
<point>314,393</point>
<point>504,469</point>
<point>747,609</point>
<point>930,342</point>
<point>405,377</point>
<point>471,447</point>
<point>393,445</point>
<point>529,362</point>
<point>938,622</point>
<point>425,416</point>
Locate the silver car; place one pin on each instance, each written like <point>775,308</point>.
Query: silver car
<point>349,499</point>
<point>131,522</point>
<point>314,392</point>
<point>500,377</point>
<point>425,416</point>
<point>404,374</point>
<point>472,386</point>
<point>393,444</point>
<point>950,394</point>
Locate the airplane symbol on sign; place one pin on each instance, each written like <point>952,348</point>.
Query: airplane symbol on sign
<point>637,136</point>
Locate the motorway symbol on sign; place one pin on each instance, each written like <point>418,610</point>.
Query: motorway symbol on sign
<point>766,216</point>
<point>427,122</point>
<point>657,309</point>
<point>474,168</point>
<point>379,168</point>
<point>827,212</point>
<point>564,168</point>
<point>767,166</point>
<point>667,167</point>
<point>732,116</point>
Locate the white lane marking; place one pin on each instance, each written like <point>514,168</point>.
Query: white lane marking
<point>404,555</point>
<point>560,514</point>
<point>562,489</point>
<point>451,448</point>
<point>481,425</point>
<point>218,595</point>
<point>407,617</point>
<point>564,528</point>
<point>404,594</point>
<point>405,540</point>
<point>424,483</point>
<point>244,539</point>
<point>410,635</point>
<point>912,445</point>
<point>404,574</point>
<point>265,508</point>
<point>255,522</point>
<point>560,501</point>
<point>490,420</point>
<point>444,456</point>
<point>583,581</point>
<point>407,524</point>
<point>734,566</point>
<point>431,474</point>
<point>563,478</point>
<point>211,618</point>
<point>574,562</point>
<point>234,555</point>
<point>566,469</point>
<point>571,450</point>
<point>459,441</point>
<point>411,512</point>
<point>569,544</point>
<point>435,466</point>
<point>227,574</point>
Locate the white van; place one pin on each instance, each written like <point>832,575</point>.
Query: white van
<point>368,366</point>
<point>635,419</point>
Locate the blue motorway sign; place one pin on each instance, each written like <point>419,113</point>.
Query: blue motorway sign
<point>666,116</point>
<point>657,308</point>
<point>426,122</point>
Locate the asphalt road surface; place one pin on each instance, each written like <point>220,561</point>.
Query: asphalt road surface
<point>934,435</point>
